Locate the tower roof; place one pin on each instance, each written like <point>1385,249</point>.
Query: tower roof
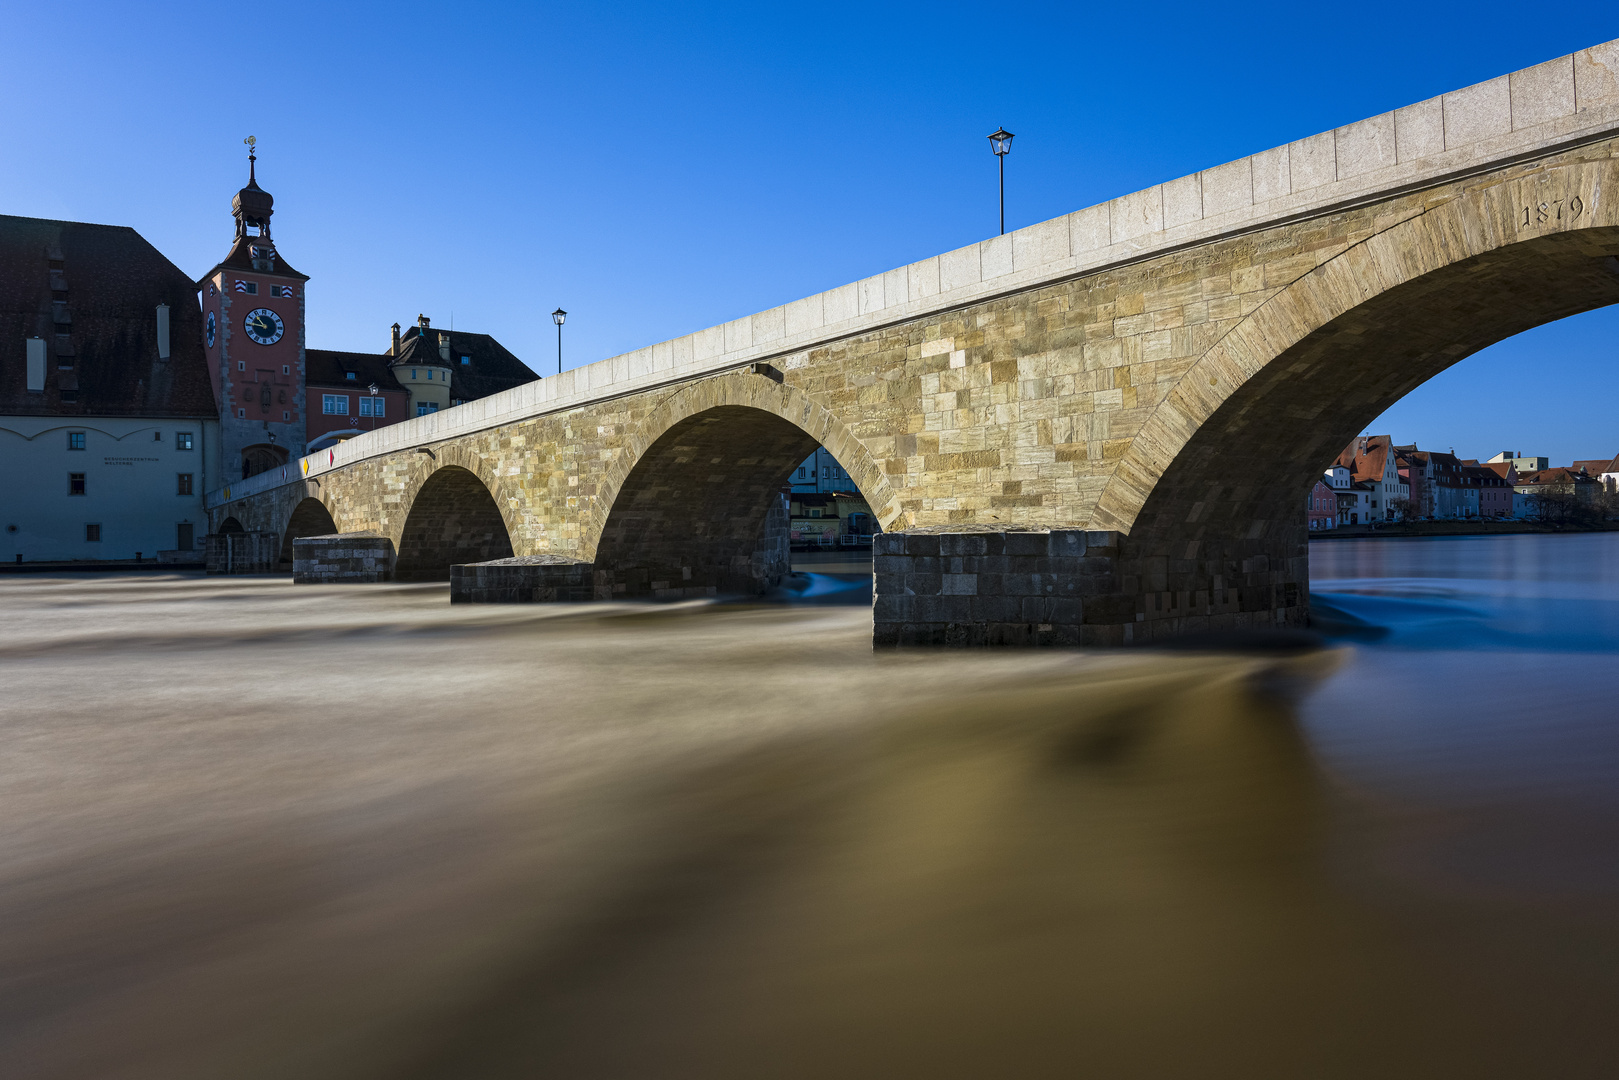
<point>252,207</point>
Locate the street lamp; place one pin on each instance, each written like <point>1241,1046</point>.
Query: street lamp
<point>557,316</point>
<point>373,389</point>
<point>1001,143</point>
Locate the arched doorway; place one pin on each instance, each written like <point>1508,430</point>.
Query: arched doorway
<point>453,520</point>
<point>703,508</point>
<point>262,458</point>
<point>309,518</point>
<point>230,525</point>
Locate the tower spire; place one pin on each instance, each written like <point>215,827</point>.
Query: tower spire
<point>252,205</point>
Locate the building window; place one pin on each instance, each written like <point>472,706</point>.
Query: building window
<point>182,440</point>
<point>92,534</point>
<point>286,370</point>
<point>465,360</point>
<point>75,483</point>
<point>280,290</point>
<point>426,407</point>
<point>157,436</point>
<point>184,485</point>
<point>75,440</point>
<point>241,414</point>
<point>370,406</point>
<point>285,415</point>
<point>334,404</point>
<point>241,365</point>
<point>185,536</point>
<point>413,373</point>
<point>249,287</point>
<point>349,376</point>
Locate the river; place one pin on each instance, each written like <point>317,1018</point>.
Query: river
<point>258,830</point>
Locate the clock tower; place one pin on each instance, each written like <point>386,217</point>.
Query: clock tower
<point>253,331</point>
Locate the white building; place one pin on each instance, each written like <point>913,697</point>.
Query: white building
<point>109,432</point>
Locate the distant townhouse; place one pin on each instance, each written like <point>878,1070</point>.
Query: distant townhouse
<point>1354,497</point>
<point>1321,508</point>
<point>1565,486</point>
<point>1497,496</point>
<point>1371,460</point>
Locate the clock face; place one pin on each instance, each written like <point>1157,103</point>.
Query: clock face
<point>212,329</point>
<point>264,326</point>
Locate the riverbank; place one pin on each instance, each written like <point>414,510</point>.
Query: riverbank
<point>1454,528</point>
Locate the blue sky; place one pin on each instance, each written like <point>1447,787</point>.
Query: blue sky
<point>656,169</point>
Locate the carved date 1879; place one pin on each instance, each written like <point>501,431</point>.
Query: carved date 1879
<point>1553,210</point>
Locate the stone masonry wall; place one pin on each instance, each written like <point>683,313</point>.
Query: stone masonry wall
<point>241,552</point>
<point>526,579</point>
<point>342,559</point>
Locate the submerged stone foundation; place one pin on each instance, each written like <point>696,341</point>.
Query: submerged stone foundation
<point>527,579</point>
<point>355,558</point>
<point>981,587</point>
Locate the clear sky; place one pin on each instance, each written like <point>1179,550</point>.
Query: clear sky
<point>656,169</point>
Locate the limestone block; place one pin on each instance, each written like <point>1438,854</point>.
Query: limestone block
<point>1136,215</point>
<point>1480,111</point>
<point>1596,76</point>
<point>1089,230</point>
<point>1312,162</point>
<point>959,269</point>
<point>1542,93</point>
<point>1367,146</point>
<point>1228,188</point>
<point>1271,176</point>
<point>1183,201</point>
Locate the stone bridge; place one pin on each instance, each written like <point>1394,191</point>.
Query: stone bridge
<point>1099,429</point>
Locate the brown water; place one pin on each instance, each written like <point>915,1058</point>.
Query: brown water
<point>258,830</point>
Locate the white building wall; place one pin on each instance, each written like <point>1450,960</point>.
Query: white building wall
<point>131,468</point>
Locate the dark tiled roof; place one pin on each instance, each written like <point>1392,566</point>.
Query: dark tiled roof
<point>491,369</point>
<point>114,281</point>
<point>326,367</point>
<point>241,258</point>
<point>1594,468</point>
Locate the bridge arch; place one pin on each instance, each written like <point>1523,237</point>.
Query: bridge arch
<point>455,516</point>
<point>689,503</point>
<point>309,518</point>
<point>1219,472</point>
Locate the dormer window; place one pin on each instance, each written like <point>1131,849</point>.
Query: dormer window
<point>465,360</point>
<point>348,375</point>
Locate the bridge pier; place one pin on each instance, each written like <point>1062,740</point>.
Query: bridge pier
<point>355,558</point>
<point>993,586</point>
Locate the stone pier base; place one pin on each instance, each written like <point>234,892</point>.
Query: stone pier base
<point>241,552</point>
<point>527,579</point>
<point>355,558</point>
<point>976,587</point>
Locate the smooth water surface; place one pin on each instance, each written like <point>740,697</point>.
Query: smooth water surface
<point>259,830</point>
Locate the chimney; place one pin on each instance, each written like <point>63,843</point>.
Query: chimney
<point>393,350</point>
<point>162,331</point>
<point>423,322</point>
<point>444,347</point>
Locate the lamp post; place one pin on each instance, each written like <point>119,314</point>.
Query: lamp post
<point>1001,143</point>
<point>373,389</point>
<point>557,316</point>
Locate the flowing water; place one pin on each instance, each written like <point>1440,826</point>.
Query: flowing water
<point>259,830</point>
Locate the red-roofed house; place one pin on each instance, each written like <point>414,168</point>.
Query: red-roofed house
<point>1371,459</point>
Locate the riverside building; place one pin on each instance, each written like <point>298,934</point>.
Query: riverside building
<point>129,389</point>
